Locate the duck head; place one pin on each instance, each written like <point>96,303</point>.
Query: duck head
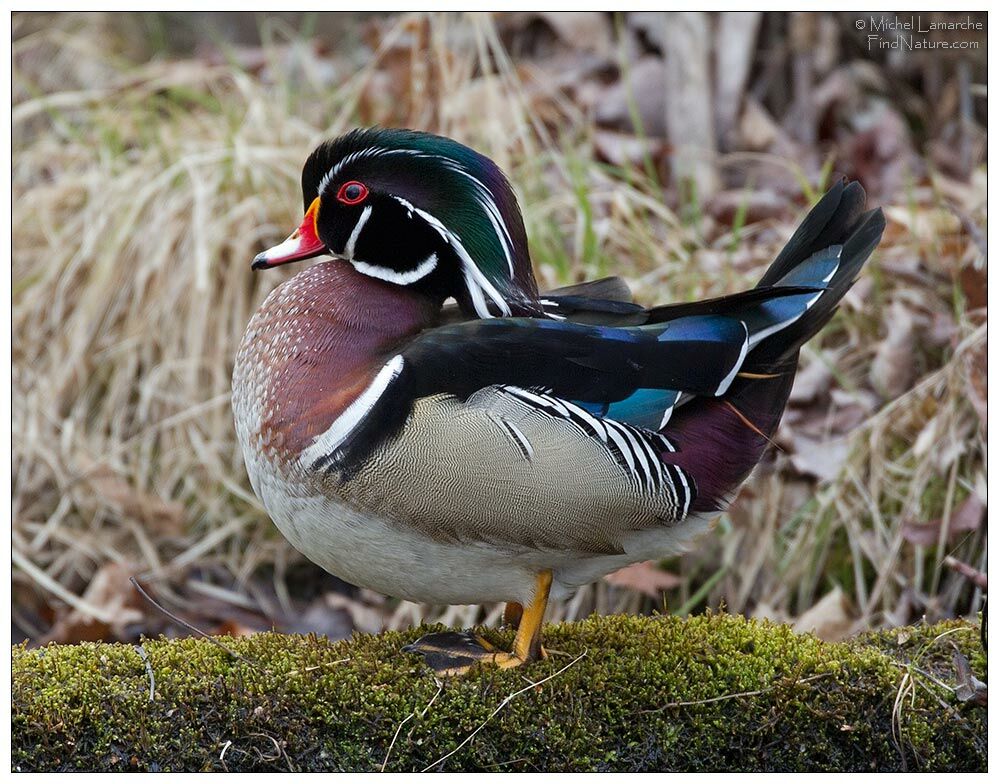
<point>415,210</point>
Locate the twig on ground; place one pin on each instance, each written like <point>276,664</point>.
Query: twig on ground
<point>191,627</point>
<point>978,578</point>
<point>440,688</point>
<point>506,701</point>
<point>723,697</point>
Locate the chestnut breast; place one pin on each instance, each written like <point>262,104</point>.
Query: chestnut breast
<point>314,345</point>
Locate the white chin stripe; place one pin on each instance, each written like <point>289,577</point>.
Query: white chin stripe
<point>328,442</point>
<point>348,249</point>
<point>401,278</point>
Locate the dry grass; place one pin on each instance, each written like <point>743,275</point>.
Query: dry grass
<point>142,190</point>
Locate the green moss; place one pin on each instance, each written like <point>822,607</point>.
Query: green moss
<point>714,692</point>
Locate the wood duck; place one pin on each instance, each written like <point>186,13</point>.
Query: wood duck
<point>513,446</point>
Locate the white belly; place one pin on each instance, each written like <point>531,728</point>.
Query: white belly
<point>389,558</point>
<point>396,560</point>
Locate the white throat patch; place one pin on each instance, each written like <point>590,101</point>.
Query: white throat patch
<point>402,278</point>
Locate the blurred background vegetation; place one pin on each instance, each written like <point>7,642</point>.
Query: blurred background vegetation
<point>155,154</point>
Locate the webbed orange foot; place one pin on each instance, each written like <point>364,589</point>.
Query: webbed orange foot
<point>456,653</point>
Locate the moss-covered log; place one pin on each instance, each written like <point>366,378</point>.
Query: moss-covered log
<point>715,692</point>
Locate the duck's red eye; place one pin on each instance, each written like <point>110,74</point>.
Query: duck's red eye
<point>352,192</point>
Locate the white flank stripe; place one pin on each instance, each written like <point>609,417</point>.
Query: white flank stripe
<point>348,250</point>
<point>686,491</point>
<point>622,444</point>
<point>666,442</point>
<point>328,442</point>
<point>592,421</point>
<point>421,270</point>
<point>666,415</point>
<point>521,438</point>
<point>639,453</point>
<point>530,397</point>
<point>727,381</point>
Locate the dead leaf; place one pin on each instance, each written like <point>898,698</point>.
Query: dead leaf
<point>969,688</point>
<point>641,87</point>
<point>925,223</point>
<point>893,369</point>
<point>234,628</point>
<point>586,30</point>
<point>623,149</point>
<point>364,618</point>
<point>974,284</point>
<point>821,458</point>
<point>162,517</point>
<point>109,590</point>
<point>757,205</point>
<point>645,577</point>
<point>757,130</point>
<point>967,517</point>
<point>829,618</point>
<point>811,382</point>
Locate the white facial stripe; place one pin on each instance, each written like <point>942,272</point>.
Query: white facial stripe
<point>367,152</point>
<point>328,442</point>
<point>483,195</point>
<point>475,281</point>
<point>405,204</point>
<point>348,249</point>
<point>485,199</point>
<point>403,278</point>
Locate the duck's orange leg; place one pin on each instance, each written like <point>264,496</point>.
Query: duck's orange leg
<point>455,653</point>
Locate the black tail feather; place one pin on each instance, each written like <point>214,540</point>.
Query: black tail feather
<point>833,221</point>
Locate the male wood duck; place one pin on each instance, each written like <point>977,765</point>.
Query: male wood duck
<point>514,446</point>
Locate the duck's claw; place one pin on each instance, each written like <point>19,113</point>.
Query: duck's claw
<point>456,653</point>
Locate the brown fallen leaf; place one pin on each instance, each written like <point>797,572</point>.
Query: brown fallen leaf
<point>756,205</point>
<point>967,517</point>
<point>821,458</point>
<point>109,591</point>
<point>893,369</point>
<point>830,618</point>
<point>811,382</point>
<point>645,577</point>
<point>974,284</point>
<point>969,688</point>
<point>624,149</point>
<point>925,223</point>
<point>586,30</point>
<point>234,628</point>
<point>162,517</point>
